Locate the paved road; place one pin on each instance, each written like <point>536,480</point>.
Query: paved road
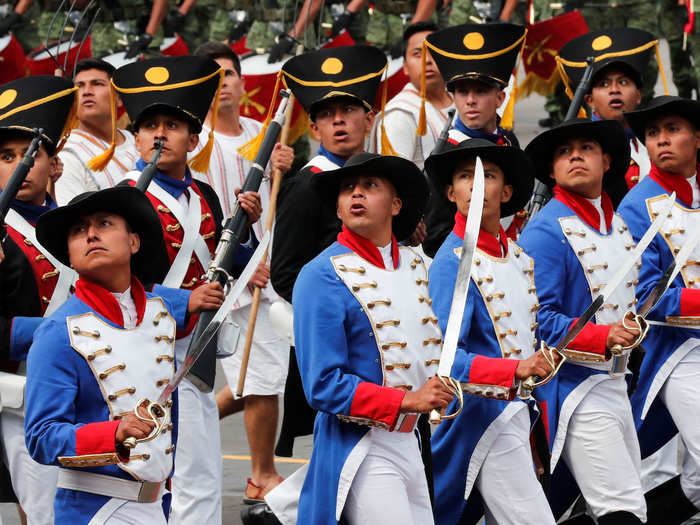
<point>234,442</point>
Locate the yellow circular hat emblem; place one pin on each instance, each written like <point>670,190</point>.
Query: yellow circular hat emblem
<point>602,42</point>
<point>473,41</point>
<point>332,66</point>
<point>7,97</point>
<point>157,75</point>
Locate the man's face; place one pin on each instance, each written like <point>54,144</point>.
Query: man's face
<point>93,95</point>
<point>496,191</point>
<point>341,127</point>
<point>613,92</point>
<point>366,204</point>
<point>33,189</point>
<point>578,165</point>
<point>412,64</point>
<point>175,135</point>
<point>232,89</point>
<point>100,244</point>
<point>672,143</point>
<point>477,103</point>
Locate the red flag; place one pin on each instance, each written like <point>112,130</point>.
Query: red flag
<point>542,44</point>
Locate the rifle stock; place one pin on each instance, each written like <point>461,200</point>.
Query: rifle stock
<point>149,171</point>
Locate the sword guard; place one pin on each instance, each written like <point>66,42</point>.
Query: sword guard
<point>156,415</point>
<point>454,386</point>
<point>527,386</point>
<point>643,328</point>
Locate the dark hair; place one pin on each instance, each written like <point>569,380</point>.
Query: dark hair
<point>95,63</point>
<point>216,50</point>
<point>416,27</point>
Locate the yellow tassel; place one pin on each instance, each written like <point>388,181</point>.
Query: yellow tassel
<point>565,79</point>
<point>536,84</point>
<point>100,162</point>
<point>422,120</point>
<point>507,118</point>
<point>582,113</point>
<point>71,122</point>
<point>200,162</point>
<point>249,150</point>
<point>661,68</point>
<point>387,148</point>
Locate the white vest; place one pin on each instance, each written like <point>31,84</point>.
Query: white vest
<point>599,256</point>
<point>130,365</point>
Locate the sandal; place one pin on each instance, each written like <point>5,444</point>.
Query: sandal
<point>256,490</point>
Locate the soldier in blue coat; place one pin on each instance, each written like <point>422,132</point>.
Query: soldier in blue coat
<point>664,402</point>
<point>105,348</point>
<point>486,448</point>
<point>577,242</point>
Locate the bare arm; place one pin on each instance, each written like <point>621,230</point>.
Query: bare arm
<point>424,10</point>
<point>306,17</point>
<point>22,6</point>
<point>186,6</point>
<point>158,11</point>
<point>508,9</point>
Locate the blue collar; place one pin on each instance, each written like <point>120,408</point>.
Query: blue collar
<point>31,212</point>
<point>330,156</point>
<point>173,186</point>
<point>477,134</point>
<point>628,131</point>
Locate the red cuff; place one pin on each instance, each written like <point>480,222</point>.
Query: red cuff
<point>493,371</point>
<point>96,438</point>
<point>591,339</point>
<point>378,403</point>
<point>690,302</point>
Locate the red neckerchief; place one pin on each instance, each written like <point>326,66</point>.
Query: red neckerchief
<point>366,248</point>
<point>671,183</point>
<point>487,242</point>
<point>105,304</point>
<point>584,209</point>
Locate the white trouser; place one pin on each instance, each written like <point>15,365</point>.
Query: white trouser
<point>680,395</point>
<point>269,355</point>
<point>389,486</point>
<point>602,451</point>
<point>122,512</point>
<point>197,478</point>
<point>507,481</point>
<point>662,465</point>
<point>33,483</point>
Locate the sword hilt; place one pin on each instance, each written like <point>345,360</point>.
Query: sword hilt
<point>156,415</point>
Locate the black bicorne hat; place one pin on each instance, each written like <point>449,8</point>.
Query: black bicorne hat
<point>42,101</point>
<point>610,134</point>
<point>410,184</point>
<point>515,164</point>
<point>627,47</point>
<point>484,52</point>
<point>347,71</point>
<point>150,264</point>
<point>184,84</point>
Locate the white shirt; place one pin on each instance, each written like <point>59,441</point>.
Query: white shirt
<point>127,306</point>
<point>599,208</point>
<point>78,150</point>
<point>386,256</point>
<point>693,181</point>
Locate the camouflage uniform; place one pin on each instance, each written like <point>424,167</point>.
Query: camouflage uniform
<point>27,33</point>
<point>132,16</point>
<point>671,20</point>
<point>386,24</point>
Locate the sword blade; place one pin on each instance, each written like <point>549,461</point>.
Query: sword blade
<point>210,330</point>
<point>459,297</point>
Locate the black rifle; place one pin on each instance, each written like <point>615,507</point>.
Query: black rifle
<point>542,193</point>
<point>17,178</point>
<point>149,171</point>
<point>203,371</point>
<point>445,133</point>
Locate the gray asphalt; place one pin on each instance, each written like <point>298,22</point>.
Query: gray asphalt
<point>234,442</point>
